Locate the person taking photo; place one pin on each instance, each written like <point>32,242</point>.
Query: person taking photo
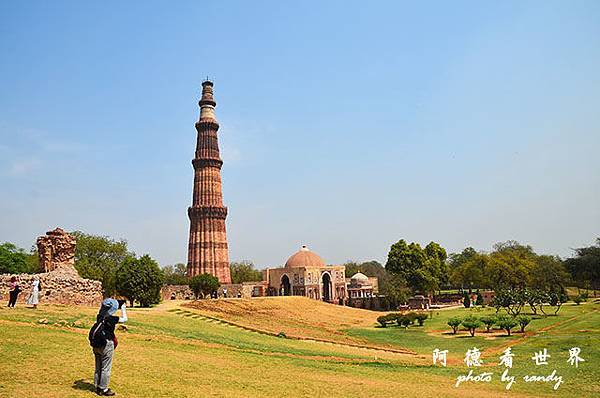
<point>104,342</point>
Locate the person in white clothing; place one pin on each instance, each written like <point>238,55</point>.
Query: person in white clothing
<point>34,296</point>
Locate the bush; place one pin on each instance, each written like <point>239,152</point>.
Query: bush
<point>421,318</point>
<point>471,323</point>
<point>523,321</point>
<point>578,300</point>
<point>454,323</point>
<point>506,323</point>
<point>488,321</point>
<point>282,335</point>
<point>404,321</point>
<point>412,317</point>
<point>384,320</point>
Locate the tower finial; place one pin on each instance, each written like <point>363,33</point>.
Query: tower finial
<point>207,102</point>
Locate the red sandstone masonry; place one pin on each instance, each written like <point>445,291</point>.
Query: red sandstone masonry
<point>207,244</point>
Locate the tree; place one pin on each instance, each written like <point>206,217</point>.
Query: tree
<point>454,323</point>
<point>421,318</point>
<point>204,284</point>
<point>471,323</point>
<point>244,272</point>
<point>436,256</point>
<point>176,274</point>
<point>421,269</point>
<point>584,267</point>
<point>512,300</point>
<point>506,323</point>
<point>556,298</point>
<point>14,260</point>
<point>479,300</point>
<point>523,321</point>
<point>510,265</point>
<point>466,300</point>
<point>467,269</point>
<point>548,274</point>
<point>98,257</point>
<point>488,321</point>
<point>139,280</point>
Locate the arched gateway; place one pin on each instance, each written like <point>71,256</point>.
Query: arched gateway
<point>285,288</point>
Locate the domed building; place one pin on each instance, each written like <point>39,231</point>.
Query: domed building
<point>361,286</point>
<point>306,274</point>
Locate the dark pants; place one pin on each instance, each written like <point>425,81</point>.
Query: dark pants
<point>12,300</point>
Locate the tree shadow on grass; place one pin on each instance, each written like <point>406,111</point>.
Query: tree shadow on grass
<point>81,384</point>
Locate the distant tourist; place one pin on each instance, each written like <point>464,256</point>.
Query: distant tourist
<point>34,296</point>
<point>225,292</point>
<point>15,289</point>
<point>104,342</point>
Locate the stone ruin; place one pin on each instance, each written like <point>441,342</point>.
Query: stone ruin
<point>56,249</point>
<point>60,282</point>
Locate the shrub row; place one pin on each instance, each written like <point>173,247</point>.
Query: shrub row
<point>504,322</point>
<point>402,319</point>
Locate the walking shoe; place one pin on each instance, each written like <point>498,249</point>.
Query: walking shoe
<point>106,393</point>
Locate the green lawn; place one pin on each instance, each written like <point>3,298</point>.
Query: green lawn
<point>574,326</point>
<point>170,352</point>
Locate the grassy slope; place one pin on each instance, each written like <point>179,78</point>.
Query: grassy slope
<point>168,353</point>
<point>295,316</point>
<point>574,326</point>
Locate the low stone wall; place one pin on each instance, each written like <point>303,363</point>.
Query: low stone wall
<point>61,286</point>
<point>176,292</point>
<point>243,290</point>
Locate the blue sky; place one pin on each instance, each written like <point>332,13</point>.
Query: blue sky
<point>344,126</point>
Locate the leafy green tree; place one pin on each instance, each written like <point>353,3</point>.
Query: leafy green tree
<point>523,321</point>
<point>420,269</point>
<point>454,323</point>
<point>471,323</point>
<point>556,298</point>
<point>506,323</point>
<point>584,267</point>
<point>436,256</point>
<point>139,280</point>
<point>548,274</point>
<point>510,265</point>
<point>512,300</point>
<point>244,271</point>
<point>466,300</point>
<point>14,260</point>
<point>98,257</point>
<point>176,274</point>
<point>488,321</point>
<point>421,318</point>
<point>479,300</point>
<point>204,284</point>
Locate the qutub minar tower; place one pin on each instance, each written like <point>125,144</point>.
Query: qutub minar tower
<point>207,248</point>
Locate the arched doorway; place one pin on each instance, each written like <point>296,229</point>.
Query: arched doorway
<point>285,286</point>
<point>326,278</point>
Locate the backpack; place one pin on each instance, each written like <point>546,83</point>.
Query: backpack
<point>96,336</point>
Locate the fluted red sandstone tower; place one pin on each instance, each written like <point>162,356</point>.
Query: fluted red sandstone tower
<point>207,248</point>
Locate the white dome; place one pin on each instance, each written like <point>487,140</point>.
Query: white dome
<point>359,276</point>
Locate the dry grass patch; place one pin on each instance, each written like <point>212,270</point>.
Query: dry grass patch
<point>295,316</point>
